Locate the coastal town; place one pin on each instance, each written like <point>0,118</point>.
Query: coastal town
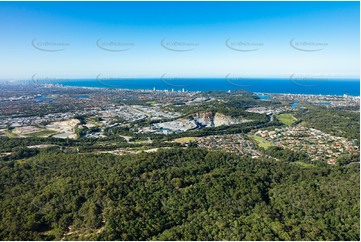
<point>93,113</point>
<point>324,100</point>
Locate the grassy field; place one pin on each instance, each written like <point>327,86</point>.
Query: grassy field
<point>10,134</point>
<point>262,142</point>
<point>286,118</point>
<point>304,165</point>
<point>184,140</point>
<point>93,121</point>
<point>153,103</point>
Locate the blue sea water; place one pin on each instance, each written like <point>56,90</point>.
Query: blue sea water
<point>322,87</point>
<point>82,97</point>
<point>263,96</point>
<point>293,105</point>
<point>41,98</point>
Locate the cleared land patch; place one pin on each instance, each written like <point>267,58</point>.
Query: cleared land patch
<point>286,118</point>
<point>184,140</point>
<point>262,142</point>
<point>26,130</point>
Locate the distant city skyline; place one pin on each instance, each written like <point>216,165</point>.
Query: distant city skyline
<point>180,39</point>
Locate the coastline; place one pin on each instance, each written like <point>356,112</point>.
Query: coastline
<point>336,88</point>
<point>200,91</point>
<point>313,95</point>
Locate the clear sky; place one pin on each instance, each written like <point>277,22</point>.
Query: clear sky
<point>187,39</point>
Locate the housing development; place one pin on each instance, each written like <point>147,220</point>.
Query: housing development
<point>98,113</point>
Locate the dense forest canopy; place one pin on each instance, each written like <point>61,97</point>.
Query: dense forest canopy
<point>176,194</point>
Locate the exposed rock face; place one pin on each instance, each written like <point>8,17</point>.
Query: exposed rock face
<point>204,118</point>
<point>221,119</point>
<point>210,119</point>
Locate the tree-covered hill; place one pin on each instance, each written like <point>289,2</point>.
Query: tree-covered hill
<point>177,194</point>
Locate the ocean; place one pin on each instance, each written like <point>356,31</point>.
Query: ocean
<point>316,87</point>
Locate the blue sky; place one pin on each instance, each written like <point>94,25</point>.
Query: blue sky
<point>183,39</point>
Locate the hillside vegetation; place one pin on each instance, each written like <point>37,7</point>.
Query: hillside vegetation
<point>176,194</point>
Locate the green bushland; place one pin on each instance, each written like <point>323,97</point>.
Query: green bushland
<point>176,194</point>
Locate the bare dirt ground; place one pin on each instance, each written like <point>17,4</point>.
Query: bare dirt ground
<point>66,126</point>
<point>65,129</point>
<point>26,130</point>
